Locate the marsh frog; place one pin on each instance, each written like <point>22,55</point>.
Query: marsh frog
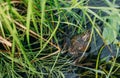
<point>78,43</point>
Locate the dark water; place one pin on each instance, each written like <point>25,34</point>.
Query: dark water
<point>96,44</point>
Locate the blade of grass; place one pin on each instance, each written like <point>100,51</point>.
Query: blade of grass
<point>97,60</point>
<point>43,2</point>
<point>29,13</point>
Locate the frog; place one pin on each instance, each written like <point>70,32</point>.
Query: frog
<point>79,43</point>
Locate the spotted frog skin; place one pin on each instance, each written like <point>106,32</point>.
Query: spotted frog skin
<point>79,43</point>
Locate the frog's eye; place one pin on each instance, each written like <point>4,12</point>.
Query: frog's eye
<point>79,48</point>
<point>85,37</point>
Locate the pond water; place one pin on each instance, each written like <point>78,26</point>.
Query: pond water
<point>96,44</point>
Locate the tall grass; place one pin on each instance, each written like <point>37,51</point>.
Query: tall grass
<point>37,29</point>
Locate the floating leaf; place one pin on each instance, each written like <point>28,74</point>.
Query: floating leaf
<point>111,29</point>
<point>109,35</point>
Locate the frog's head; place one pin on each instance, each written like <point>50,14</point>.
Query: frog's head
<point>86,36</point>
